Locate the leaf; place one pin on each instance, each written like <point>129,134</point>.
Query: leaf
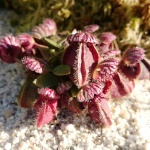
<point>44,51</point>
<point>61,70</point>
<point>121,86</point>
<point>45,112</point>
<point>54,61</point>
<point>88,91</point>
<point>28,94</point>
<point>99,110</point>
<point>144,69</point>
<point>46,80</point>
<point>74,91</point>
<point>51,43</point>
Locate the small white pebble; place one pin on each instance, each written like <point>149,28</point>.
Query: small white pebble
<point>7,146</point>
<point>23,131</point>
<point>23,146</point>
<point>44,145</point>
<point>119,121</point>
<point>4,135</point>
<point>147,146</point>
<point>59,132</point>
<point>16,140</point>
<point>132,145</point>
<point>132,138</point>
<point>82,128</point>
<point>70,128</point>
<point>36,147</point>
<point>32,139</point>
<point>19,134</point>
<point>55,147</point>
<point>125,115</point>
<point>117,110</point>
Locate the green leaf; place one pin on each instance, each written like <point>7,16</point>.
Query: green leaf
<point>61,70</point>
<point>54,61</point>
<point>28,94</point>
<point>51,43</point>
<point>47,80</point>
<point>74,91</point>
<point>45,51</point>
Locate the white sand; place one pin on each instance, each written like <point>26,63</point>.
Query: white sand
<point>130,117</point>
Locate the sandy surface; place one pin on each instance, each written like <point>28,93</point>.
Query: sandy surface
<point>130,116</point>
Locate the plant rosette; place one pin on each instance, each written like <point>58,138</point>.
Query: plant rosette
<point>80,70</point>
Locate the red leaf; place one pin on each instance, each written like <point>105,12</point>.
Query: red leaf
<point>130,72</point>
<point>46,106</point>
<point>64,86</point>
<point>121,86</point>
<point>82,57</point>
<point>144,69</point>
<point>133,56</point>
<point>99,110</point>
<point>87,92</point>
<point>106,70</point>
<point>45,111</point>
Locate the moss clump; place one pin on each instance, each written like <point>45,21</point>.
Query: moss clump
<point>123,17</point>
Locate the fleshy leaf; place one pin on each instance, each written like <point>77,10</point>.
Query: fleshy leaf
<point>82,57</point>
<point>28,94</point>
<point>45,111</point>
<point>61,70</point>
<point>91,28</point>
<point>46,80</point>
<point>107,42</point>
<point>88,91</point>
<point>109,54</point>
<point>10,49</point>
<point>27,42</point>
<point>47,28</point>
<point>133,56</point>
<point>46,105</point>
<point>45,51</point>
<point>121,86</point>
<point>131,72</point>
<point>33,64</point>
<point>47,94</point>
<point>106,70</point>
<point>54,61</point>
<point>63,87</point>
<point>99,110</point>
<point>144,69</point>
<point>51,43</point>
<point>82,37</point>
<point>74,91</point>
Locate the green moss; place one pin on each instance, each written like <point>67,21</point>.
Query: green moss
<point>111,15</point>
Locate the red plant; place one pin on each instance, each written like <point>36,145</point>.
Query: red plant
<point>46,106</point>
<point>80,71</point>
